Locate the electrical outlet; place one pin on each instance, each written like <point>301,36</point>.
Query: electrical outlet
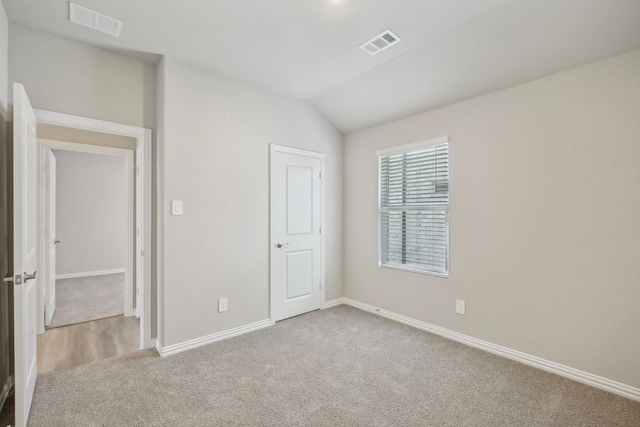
<point>222,305</point>
<point>460,306</point>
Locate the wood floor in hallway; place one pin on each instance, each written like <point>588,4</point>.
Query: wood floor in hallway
<point>82,343</point>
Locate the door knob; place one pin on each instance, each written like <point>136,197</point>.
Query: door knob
<point>56,242</point>
<point>26,277</point>
<point>280,245</point>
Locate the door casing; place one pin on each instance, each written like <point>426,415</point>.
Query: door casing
<point>273,149</point>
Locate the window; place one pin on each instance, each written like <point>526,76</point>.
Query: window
<point>413,207</point>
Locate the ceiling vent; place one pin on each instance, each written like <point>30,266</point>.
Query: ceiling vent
<point>380,42</point>
<point>92,19</point>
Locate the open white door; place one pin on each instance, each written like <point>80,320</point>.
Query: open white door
<point>25,252</point>
<point>296,213</point>
<point>50,238</point>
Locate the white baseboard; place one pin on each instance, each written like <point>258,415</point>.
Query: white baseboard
<point>546,365</point>
<point>89,273</point>
<point>333,303</point>
<point>153,343</point>
<point>208,339</point>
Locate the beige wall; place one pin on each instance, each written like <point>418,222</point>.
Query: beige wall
<point>215,135</point>
<point>61,133</point>
<point>91,212</point>
<point>75,78</point>
<point>545,229</point>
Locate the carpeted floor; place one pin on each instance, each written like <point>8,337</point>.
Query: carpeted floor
<point>337,367</point>
<point>7,412</point>
<point>82,299</point>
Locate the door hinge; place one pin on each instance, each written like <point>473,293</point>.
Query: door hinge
<point>320,285</point>
<point>320,230</point>
<point>17,280</point>
<point>320,174</point>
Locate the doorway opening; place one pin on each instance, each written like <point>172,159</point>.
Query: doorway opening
<point>129,149</point>
<point>87,281</point>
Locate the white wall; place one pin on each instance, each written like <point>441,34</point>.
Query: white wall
<point>91,212</point>
<point>545,208</point>
<point>214,155</point>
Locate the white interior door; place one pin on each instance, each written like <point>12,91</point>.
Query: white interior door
<point>296,236</point>
<point>50,237</point>
<point>25,252</point>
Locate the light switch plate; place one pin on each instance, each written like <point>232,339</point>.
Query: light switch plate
<point>176,207</point>
<point>460,306</point>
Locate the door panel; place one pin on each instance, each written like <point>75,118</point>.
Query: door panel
<point>299,198</point>
<point>50,234</point>
<point>299,275</point>
<point>297,239</point>
<point>25,252</point>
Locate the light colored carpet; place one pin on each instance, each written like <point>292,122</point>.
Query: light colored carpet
<point>7,416</point>
<point>338,367</point>
<point>82,299</point>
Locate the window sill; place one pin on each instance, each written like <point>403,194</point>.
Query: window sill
<point>414,270</point>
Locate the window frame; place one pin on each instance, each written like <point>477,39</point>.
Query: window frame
<point>403,149</point>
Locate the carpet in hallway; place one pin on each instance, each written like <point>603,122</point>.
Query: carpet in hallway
<point>82,299</point>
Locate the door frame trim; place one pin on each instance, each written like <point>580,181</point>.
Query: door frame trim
<point>143,164</point>
<point>273,149</point>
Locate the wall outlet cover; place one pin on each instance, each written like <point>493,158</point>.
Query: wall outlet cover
<point>223,304</point>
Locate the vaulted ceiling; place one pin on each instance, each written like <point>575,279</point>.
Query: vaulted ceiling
<point>451,50</point>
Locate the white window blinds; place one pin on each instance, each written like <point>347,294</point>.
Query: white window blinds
<point>414,207</point>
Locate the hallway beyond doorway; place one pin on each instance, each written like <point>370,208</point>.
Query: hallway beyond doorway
<point>82,299</point>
